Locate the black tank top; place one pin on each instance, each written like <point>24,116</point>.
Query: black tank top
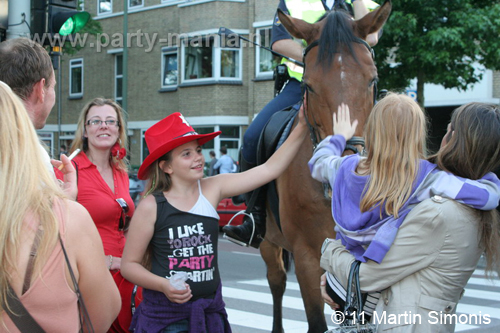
<point>186,242</point>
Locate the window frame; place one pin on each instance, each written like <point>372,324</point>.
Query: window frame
<point>136,6</point>
<point>164,53</point>
<point>116,77</point>
<point>258,73</point>
<point>216,60</point>
<point>72,65</point>
<point>99,13</point>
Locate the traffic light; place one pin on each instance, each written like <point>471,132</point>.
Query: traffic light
<point>64,19</point>
<point>56,18</point>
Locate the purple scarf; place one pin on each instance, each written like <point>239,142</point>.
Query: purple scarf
<point>156,313</point>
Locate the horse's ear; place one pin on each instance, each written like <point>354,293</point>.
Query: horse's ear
<point>296,27</point>
<point>373,21</point>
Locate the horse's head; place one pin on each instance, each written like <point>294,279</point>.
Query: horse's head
<point>339,65</point>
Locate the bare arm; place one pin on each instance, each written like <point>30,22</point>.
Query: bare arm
<point>227,185</point>
<point>289,47</point>
<point>139,235</point>
<point>360,10</point>
<point>97,287</point>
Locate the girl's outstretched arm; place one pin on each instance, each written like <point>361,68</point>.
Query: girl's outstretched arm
<point>227,185</point>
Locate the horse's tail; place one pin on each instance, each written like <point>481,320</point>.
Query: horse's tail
<point>287,259</point>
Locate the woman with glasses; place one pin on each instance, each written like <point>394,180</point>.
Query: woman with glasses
<point>103,187</point>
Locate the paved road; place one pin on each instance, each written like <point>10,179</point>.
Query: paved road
<point>249,302</point>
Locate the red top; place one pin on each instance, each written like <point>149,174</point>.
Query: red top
<point>96,196</point>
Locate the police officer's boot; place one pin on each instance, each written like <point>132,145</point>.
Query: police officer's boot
<point>246,233</point>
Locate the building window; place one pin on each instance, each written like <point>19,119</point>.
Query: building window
<point>144,146</point>
<point>104,6</point>
<point>76,77</point>
<point>119,78</point>
<point>170,71</point>
<point>229,63</point>
<point>48,140</point>
<point>135,3</point>
<point>230,137</point>
<point>204,58</point>
<point>264,60</point>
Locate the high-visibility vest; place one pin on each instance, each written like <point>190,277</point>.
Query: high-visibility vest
<point>309,11</point>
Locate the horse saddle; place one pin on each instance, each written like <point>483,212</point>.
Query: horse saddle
<point>273,135</point>
<point>275,132</point>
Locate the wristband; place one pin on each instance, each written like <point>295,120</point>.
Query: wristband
<point>110,261</point>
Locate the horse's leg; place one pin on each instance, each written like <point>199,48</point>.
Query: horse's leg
<point>308,223</point>
<point>308,274</point>
<point>276,277</point>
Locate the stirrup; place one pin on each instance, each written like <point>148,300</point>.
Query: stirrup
<point>236,241</point>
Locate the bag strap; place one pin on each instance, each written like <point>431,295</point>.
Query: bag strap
<point>354,300</point>
<point>31,261</point>
<point>81,303</point>
<point>19,315</point>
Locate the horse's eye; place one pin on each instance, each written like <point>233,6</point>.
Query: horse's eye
<point>373,81</point>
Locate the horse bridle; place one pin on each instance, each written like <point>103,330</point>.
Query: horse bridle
<point>315,137</point>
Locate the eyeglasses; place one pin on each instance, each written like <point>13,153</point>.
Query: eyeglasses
<point>124,218</point>
<point>98,122</point>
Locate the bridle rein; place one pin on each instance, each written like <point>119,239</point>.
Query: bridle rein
<point>315,137</point>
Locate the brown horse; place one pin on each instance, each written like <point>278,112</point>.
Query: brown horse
<point>339,67</point>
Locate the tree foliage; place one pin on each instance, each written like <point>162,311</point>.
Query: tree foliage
<point>438,41</point>
<point>92,28</point>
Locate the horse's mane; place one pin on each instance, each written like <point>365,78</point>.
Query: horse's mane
<point>337,32</point>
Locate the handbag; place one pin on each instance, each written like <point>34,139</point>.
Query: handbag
<point>352,318</point>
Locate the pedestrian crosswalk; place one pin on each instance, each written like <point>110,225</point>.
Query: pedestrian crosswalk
<point>249,306</point>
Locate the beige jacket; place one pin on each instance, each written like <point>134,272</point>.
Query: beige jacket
<point>423,275</point>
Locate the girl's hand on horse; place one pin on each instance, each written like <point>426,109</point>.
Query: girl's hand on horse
<point>175,295</point>
<point>342,122</point>
<point>325,296</point>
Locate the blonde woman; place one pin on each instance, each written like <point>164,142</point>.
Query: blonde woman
<point>372,195</point>
<point>32,206</point>
<point>103,187</point>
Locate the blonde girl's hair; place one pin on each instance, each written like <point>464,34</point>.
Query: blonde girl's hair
<point>81,142</point>
<point>158,180</point>
<point>395,133</point>
<point>27,191</point>
<point>472,149</point>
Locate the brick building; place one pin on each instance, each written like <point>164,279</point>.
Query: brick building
<point>176,62</point>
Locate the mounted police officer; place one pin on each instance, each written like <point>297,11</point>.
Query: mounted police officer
<point>289,75</point>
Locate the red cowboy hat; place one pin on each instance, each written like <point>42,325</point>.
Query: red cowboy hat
<point>167,134</point>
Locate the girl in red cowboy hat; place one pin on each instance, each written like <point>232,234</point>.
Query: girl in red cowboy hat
<point>179,223</point>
